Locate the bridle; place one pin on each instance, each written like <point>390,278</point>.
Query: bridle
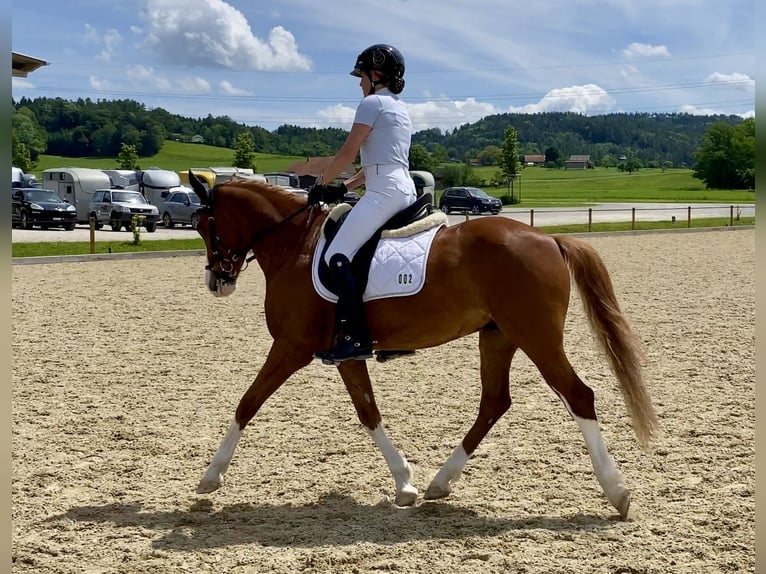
<point>228,259</point>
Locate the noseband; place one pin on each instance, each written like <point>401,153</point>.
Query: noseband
<point>228,259</point>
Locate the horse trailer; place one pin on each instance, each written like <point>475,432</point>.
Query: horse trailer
<point>76,185</point>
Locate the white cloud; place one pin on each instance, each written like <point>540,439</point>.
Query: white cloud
<point>227,88</point>
<point>638,50</point>
<point>586,99</point>
<point>112,38</point>
<point>337,115</point>
<point>21,84</point>
<point>193,85</point>
<point>90,34</point>
<point>212,33</point>
<point>739,81</point>
<point>695,111</point>
<point>146,76</point>
<point>448,114</point>
<point>99,84</point>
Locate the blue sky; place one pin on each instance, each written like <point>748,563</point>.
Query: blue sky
<point>288,61</point>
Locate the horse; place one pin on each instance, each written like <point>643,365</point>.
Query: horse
<point>514,284</point>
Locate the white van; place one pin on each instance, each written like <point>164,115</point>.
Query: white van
<point>156,184</point>
<point>124,178</point>
<point>76,185</point>
<point>424,183</point>
<point>21,179</point>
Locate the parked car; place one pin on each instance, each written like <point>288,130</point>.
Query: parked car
<point>468,199</point>
<point>118,206</point>
<point>35,206</point>
<point>180,207</point>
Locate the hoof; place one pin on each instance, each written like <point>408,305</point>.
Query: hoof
<point>436,492</point>
<point>406,497</point>
<point>623,506</point>
<point>206,486</point>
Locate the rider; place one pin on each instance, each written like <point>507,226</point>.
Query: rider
<point>381,133</point>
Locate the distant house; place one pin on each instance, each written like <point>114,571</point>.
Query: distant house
<point>532,159</point>
<point>309,169</point>
<point>197,139</point>
<point>578,162</point>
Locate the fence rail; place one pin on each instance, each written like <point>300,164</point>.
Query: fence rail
<point>683,215</point>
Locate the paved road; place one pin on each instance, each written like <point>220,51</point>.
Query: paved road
<point>543,216</point>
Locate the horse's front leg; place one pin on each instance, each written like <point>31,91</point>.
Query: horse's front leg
<point>496,356</point>
<point>357,381</point>
<point>283,360</point>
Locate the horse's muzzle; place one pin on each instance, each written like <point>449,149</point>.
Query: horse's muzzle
<point>219,285</point>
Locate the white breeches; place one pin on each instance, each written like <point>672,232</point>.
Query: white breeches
<point>389,189</point>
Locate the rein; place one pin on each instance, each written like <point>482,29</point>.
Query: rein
<point>227,263</point>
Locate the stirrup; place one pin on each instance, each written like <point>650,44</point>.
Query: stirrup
<point>346,350</point>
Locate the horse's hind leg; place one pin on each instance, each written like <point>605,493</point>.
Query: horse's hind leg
<point>357,381</point>
<point>283,360</point>
<point>496,356</point>
<point>579,401</point>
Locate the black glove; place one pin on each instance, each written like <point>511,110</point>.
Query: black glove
<point>334,192</point>
<point>331,193</point>
<point>316,194</point>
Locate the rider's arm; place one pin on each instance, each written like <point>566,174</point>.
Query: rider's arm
<point>346,154</point>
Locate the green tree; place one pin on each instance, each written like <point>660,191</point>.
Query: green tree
<point>244,151</point>
<point>726,159</point>
<point>439,154</point>
<point>420,159</point>
<point>22,158</point>
<point>607,161</point>
<point>128,157</point>
<point>509,162</point>
<point>490,155</point>
<point>552,154</point>
<point>28,131</point>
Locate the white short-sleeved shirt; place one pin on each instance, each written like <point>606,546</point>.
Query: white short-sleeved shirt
<point>389,140</point>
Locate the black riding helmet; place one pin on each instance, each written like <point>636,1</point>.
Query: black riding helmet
<point>382,57</point>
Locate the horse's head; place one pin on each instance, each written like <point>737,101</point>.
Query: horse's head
<point>226,249</point>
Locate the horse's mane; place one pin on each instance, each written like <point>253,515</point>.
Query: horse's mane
<point>262,187</point>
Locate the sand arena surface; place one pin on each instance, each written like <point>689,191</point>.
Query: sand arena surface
<point>126,375</point>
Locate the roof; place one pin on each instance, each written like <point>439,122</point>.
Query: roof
<point>21,64</point>
<point>579,158</point>
<point>316,165</point>
<point>534,157</point>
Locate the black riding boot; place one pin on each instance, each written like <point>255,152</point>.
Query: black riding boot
<point>352,340</point>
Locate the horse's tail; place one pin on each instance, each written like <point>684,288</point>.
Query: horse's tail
<point>619,343</point>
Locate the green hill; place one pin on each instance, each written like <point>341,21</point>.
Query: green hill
<point>175,156</point>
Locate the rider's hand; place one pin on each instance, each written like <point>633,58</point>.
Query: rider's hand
<point>334,192</point>
<point>316,194</point>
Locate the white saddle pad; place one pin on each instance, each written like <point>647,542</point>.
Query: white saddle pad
<point>398,266</point>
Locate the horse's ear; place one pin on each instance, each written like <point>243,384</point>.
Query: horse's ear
<point>199,188</point>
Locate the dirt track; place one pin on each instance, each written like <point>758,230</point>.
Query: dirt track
<point>126,375</point>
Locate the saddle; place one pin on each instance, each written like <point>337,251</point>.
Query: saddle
<point>360,264</point>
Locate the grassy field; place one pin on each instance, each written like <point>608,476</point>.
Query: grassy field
<point>540,187</point>
<point>174,156</point>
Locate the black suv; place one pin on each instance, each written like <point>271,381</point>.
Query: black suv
<point>468,199</point>
<point>35,206</point>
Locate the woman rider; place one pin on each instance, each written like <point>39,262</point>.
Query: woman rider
<point>381,134</point>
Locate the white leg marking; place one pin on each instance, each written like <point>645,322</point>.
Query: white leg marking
<point>607,473</point>
<point>213,476</point>
<point>450,472</point>
<point>406,494</point>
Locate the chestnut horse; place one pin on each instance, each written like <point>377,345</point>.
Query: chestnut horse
<point>513,286</point>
